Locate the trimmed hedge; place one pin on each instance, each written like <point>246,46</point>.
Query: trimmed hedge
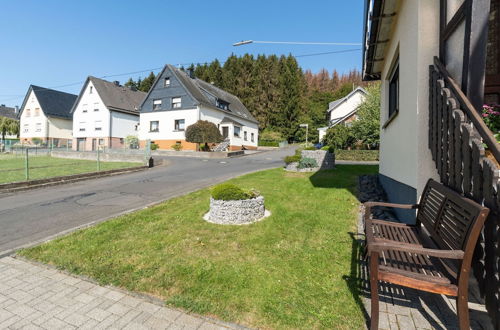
<point>292,159</point>
<point>263,143</point>
<point>357,155</point>
<point>231,192</point>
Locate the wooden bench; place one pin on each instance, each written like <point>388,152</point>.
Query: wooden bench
<point>434,255</point>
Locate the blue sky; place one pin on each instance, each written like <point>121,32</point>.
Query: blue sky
<point>54,42</point>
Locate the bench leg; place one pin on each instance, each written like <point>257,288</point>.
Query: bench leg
<point>463,309</point>
<point>374,291</point>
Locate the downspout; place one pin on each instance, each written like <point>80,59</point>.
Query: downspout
<point>110,129</point>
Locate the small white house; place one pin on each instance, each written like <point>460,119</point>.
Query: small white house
<point>46,115</point>
<point>178,99</point>
<point>104,114</point>
<point>343,111</point>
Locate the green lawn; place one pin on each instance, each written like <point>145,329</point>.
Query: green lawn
<point>12,167</point>
<point>294,269</point>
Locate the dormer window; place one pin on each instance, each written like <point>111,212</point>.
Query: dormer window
<point>222,104</point>
<point>166,82</point>
<point>156,104</point>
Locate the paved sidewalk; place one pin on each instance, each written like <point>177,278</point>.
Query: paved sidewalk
<point>36,297</point>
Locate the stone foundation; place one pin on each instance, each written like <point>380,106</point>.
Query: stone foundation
<point>325,159</point>
<point>236,212</point>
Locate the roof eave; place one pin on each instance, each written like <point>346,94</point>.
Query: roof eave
<point>377,31</point>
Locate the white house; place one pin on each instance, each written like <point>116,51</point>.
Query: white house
<point>343,110</point>
<point>104,114</point>
<point>45,115</point>
<point>178,99</point>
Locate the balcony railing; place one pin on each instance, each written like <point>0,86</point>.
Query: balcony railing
<point>457,135</point>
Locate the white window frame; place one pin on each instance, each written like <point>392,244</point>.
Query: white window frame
<point>166,82</point>
<point>177,125</point>
<point>252,137</point>
<point>157,126</point>
<point>157,104</point>
<point>176,102</point>
<point>98,125</point>
<point>81,126</point>
<point>234,131</point>
<point>38,127</point>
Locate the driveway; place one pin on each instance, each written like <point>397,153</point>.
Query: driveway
<point>33,216</point>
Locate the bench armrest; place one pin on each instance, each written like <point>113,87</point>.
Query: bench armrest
<point>399,206</point>
<point>378,245</point>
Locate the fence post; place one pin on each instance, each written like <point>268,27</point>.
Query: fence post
<point>98,160</point>
<point>147,151</point>
<point>26,165</point>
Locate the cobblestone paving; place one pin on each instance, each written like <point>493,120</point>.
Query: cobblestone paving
<point>36,297</point>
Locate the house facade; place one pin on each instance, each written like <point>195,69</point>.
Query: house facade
<point>438,62</point>
<point>343,111</point>
<point>178,99</point>
<point>104,114</point>
<point>45,116</point>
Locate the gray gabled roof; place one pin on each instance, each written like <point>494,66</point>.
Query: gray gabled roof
<point>334,104</point>
<point>115,97</point>
<point>201,91</point>
<point>8,112</point>
<point>53,103</point>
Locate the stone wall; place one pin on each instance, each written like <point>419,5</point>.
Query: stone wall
<point>236,212</point>
<point>325,159</point>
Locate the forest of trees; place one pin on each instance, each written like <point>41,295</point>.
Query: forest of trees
<point>276,90</point>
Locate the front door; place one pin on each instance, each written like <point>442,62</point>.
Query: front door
<point>80,144</point>
<point>225,131</point>
<point>94,144</point>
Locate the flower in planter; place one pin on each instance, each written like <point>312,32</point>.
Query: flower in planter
<point>491,117</point>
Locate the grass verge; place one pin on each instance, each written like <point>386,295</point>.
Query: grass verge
<point>12,169</point>
<point>291,270</point>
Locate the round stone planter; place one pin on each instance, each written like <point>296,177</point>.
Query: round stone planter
<point>236,212</point>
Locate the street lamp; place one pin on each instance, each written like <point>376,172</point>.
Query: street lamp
<point>307,131</point>
<point>246,42</point>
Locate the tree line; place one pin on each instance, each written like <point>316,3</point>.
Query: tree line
<point>275,89</point>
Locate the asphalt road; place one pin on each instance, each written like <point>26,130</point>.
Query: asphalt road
<point>37,215</point>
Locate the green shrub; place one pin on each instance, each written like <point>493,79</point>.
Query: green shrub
<point>177,147</point>
<point>204,147</point>
<point>267,143</point>
<point>330,149</point>
<point>36,141</point>
<point>292,159</point>
<point>268,135</point>
<point>357,155</point>
<point>154,146</point>
<point>231,192</point>
<point>307,163</point>
<point>310,148</point>
<point>132,141</point>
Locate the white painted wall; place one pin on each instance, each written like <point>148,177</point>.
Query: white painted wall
<point>60,128</point>
<point>346,107</point>
<point>166,123</point>
<point>32,125</point>
<point>123,124</point>
<point>216,117</point>
<point>85,116</point>
<point>404,153</point>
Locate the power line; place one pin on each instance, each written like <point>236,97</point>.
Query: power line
<point>178,64</point>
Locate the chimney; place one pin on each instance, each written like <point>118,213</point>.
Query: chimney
<point>190,73</point>
<point>16,109</point>
<point>133,88</point>
<point>116,82</point>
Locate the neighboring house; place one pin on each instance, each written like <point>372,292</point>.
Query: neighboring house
<point>343,111</point>
<point>45,115</point>
<point>11,113</point>
<point>178,99</point>
<point>438,61</point>
<point>104,114</point>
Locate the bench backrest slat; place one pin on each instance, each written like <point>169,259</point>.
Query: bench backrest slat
<point>447,216</point>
